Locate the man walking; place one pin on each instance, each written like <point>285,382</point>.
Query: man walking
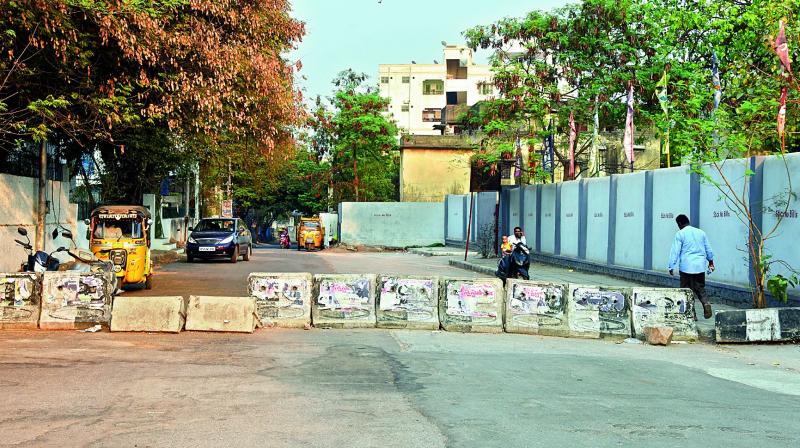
<point>690,253</point>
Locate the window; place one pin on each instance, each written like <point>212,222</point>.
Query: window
<point>406,79</point>
<point>456,69</point>
<point>433,87</point>
<point>484,88</point>
<point>404,107</point>
<point>432,114</point>
<point>384,80</point>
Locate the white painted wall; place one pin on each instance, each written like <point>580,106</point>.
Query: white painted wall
<point>392,224</point>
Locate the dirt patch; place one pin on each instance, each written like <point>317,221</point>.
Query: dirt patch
<point>341,248</point>
<point>162,257</point>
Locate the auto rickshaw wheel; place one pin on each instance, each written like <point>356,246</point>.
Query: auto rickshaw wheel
<point>235,256</point>
<point>247,252</point>
<point>148,282</point>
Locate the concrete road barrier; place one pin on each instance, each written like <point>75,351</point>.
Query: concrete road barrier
<point>472,305</point>
<point>536,308</point>
<point>75,300</point>
<point>408,302</point>
<point>595,312</point>
<point>20,300</point>
<point>664,307</point>
<point>344,301</point>
<point>282,299</point>
<point>153,314</point>
<point>758,325</point>
<point>234,314</point>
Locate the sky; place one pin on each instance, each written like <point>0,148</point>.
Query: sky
<point>360,34</point>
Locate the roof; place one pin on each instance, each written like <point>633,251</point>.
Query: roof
<point>457,142</point>
<point>121,209</point>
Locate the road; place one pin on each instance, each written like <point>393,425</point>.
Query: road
<point>222,278</point>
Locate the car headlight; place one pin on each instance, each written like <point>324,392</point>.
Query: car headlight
<point>226,240</point>
<point>192,240</point>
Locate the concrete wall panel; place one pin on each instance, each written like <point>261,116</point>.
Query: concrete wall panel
<point>151,314</point>
<point>671,197</point>
<point>570,209</point>
<point>536,308</point>
<point>629,233</point>
<point>664,307</point>
<point>228,314</point>
<point>595,312</point>
<point>20,300</point>
<point>344,301</point>
<point>548,218</point>
<point>472,305</point>
<point>387,223</point>
<point>514,210</point>
<point>408,302</point>
<point>778,215</point>
<point>529,219</point>
<point>282,300</point>
<point>455,217</point>
<point>597,219</point>
<point>75,300</point>
<point>726,233</point>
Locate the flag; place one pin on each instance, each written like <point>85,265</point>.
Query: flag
<point>715,79</point>
<point>627,141</point>
<point>664,101</point>
<point>782,118</point>
<point>782,48</point>
<point>573,135</point>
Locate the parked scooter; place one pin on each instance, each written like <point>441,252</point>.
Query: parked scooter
<point>284,239</point>
<point>85,261</point>
<point>515,264</point>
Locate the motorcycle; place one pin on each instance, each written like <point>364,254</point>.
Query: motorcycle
<point>84,261</point>
<point>515,264</point>
<point>284,240</point>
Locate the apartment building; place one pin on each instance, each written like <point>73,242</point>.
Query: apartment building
<point>421,93</point>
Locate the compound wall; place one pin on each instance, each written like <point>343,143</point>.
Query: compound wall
<point>392,224</point>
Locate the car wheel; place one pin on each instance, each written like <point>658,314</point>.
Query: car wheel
<point>235,256</point>
<point>247,253</point>
<point>148,282</point>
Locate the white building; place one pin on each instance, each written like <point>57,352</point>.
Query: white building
<point>419,92</point>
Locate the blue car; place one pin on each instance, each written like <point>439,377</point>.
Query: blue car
<point>219,238</point>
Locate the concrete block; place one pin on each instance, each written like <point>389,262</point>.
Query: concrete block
<point>758,325</point>
<point>154,314</point>
<point>75,300</point>
<point>20,300</point>
<point>472,305</point>
<point>344,301</point>
<point>408,302</point>
<point>595,312</point>
<point>536,308</point>
<point>664,307</point>
<point>234,314</point>
<point>282,299</point>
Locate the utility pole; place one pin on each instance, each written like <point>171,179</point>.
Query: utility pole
<point>41,211</point>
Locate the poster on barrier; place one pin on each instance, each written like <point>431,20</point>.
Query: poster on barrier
<point>404,301</point>
<point>472,305</point>
<point>536,308</point>
<point>599,311</point>
<point>280,298</point>
<point>75,298</point>
<point>666,307</point>
<point>19,300</point>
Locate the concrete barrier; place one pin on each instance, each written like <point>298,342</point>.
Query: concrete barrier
<point>234,314</point>
<point>75,300</point>
<point>344,301</point>
<point>153,314</point>
<point>595,312</point>
<point>536,308</point>
<point>20,300</point>
<point>758,325</point>
<point>282,300</point>
<point>472,305</point>
<point>664,307</point>
<point>408,302</point>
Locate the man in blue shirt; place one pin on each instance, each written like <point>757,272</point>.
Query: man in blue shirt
<point>691,255</point>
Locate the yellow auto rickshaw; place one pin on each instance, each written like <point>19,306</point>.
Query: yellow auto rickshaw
<point>120,234</point>
<point>310,233</point>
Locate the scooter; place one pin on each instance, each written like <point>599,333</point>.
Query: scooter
<point>515,264</point>
<point>284,240</point>
<point>85,261</point>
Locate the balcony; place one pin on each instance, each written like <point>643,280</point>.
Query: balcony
<point>454,113</point>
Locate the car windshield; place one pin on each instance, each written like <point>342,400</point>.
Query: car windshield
<point>310,224</point>
<point>109,229</point>
<point>215,225</point>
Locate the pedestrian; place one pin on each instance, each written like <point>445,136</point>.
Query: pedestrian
<point>692,256</point>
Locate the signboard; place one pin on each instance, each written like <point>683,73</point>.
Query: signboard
<point>227,208</point>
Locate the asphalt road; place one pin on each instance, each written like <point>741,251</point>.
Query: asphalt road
<point>223,278</point>
<point>376,388</point>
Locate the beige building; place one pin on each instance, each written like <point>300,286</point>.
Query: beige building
<point>419,92</point>
<point>433,166</point>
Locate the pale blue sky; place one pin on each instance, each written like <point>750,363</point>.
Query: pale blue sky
<point>360,34</point>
